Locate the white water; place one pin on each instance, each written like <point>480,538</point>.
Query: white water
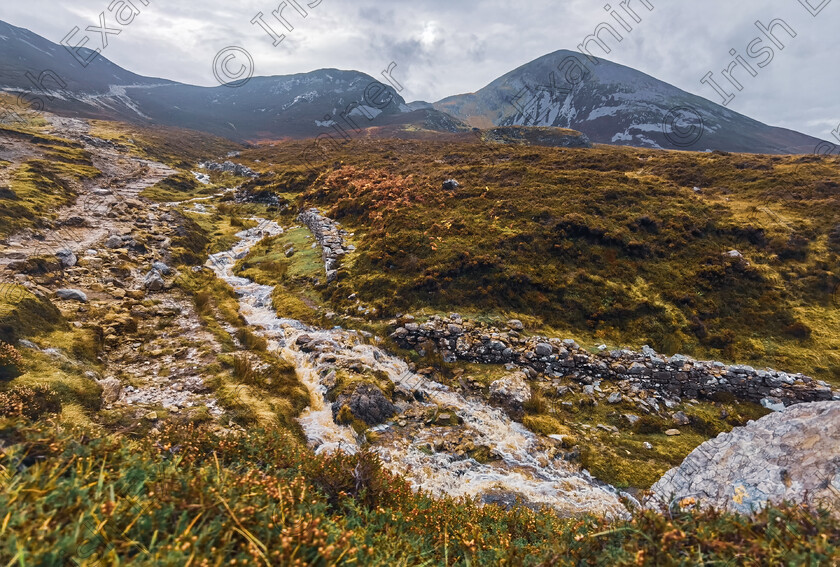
<point>523,467</point>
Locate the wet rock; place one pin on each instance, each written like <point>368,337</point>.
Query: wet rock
<point>153,281</point>
<point>511,393</point>
<point>71,295</point>
<point>367,403</point>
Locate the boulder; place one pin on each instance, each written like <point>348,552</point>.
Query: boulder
<point>67,258</point>
<point>367,403</point>
<point>114,242</point>
<point>680,418</point>
<point>450,185</point>
<point>71,295</point>
<point>153,281</point>
<point>111,390</point>
<point>511,393</point>
<point>162,268</point>
<point>791,455</point>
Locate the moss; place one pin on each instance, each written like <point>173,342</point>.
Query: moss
<point>38,188</point>
<point>179,187</point>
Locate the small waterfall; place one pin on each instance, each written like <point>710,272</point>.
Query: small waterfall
<point>522,467</point>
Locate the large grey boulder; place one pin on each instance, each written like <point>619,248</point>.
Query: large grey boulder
<point>792,455</point>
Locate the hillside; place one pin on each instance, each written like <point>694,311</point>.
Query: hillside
<point>718,255</point>
<point>614,104</point>
<point>489,347</point>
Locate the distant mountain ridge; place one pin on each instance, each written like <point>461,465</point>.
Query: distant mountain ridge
<point>610,103</point>
<point>615,104</point>
<point>326,101</point>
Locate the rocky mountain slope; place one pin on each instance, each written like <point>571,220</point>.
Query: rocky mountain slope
<point>614,104</point>
<point>46,75</point>
<point>610,103</point>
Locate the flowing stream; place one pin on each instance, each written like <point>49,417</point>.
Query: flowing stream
<point>522,466</point>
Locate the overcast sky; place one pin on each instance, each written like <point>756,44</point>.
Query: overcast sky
<point>445,47</point>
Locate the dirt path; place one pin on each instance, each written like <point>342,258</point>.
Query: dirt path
<point>96,212</point>
<point>154,347</point>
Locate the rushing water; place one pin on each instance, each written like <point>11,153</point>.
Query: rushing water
<point>522,467</point>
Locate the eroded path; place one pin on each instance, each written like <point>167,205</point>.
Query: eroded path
<point>99,209</point>
<point>109,249</point>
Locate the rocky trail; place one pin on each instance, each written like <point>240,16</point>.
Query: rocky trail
<point>109,276</point>
<point>101,207</point>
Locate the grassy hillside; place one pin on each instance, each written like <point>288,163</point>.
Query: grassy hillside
<point>614,245</point>
<point>190,497</point>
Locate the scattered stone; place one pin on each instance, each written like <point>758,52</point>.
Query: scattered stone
<point>111,390</point>
<point>153,281</point>
<point>614,398</point>
<point>680,418</point>
<point>71,295</point>
<point>162,268</point>
<point>114,242</point>
<point>67,258</point>
<point>515,324</point>
<point>672,432</point>
<point>631,418</point>
<point>450,185</point>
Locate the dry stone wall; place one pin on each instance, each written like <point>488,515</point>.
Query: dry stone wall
<point>458,339</point>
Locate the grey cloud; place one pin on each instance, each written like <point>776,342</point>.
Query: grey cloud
<point>478,40</point>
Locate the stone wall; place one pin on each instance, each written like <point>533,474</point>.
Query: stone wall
<point>330,236</point>
<point>458,339</point>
